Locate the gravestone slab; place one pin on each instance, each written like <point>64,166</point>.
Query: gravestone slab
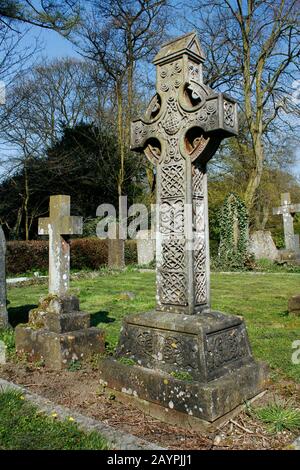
<point>116,247</point>
<point>3,298</point>
<point>294,305</point>
<point>145,247</point>
<point>188,358</point>
<point>58,333</point>
<point>262,246</point>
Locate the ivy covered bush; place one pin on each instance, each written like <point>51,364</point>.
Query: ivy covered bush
<point>234,227</point>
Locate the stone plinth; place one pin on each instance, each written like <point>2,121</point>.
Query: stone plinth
<point>58,333</point>
<point>200,365</point>
<point>294,305</point>
<point>145,247</point>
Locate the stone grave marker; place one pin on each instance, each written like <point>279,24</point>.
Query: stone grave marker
<point>145,247</point>
<point>58,333</point>
<point>116,247</point>
<point>288,211</point>
<point>3,298</point>
<point>193,365</point>
<point>262,246</point>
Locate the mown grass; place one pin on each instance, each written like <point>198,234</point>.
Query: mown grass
<point>23,427</point>
<point>260,298</point>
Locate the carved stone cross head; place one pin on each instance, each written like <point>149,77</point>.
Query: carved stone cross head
<point>58,225</point>
<point>181,130</point>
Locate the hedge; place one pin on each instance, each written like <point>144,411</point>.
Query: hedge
<point>86,253</point>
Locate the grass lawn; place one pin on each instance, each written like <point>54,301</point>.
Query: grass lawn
<point>260,298</point>
<point>23,427</point>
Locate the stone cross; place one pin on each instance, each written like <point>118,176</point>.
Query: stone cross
<point>58,225</point>
<point>3,308</point>
<point>288,210</point>
<point>180,132</point>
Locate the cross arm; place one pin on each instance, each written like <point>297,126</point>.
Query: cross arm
<point>277,211</point>
<point>44,226</point>
<point>218,115</point>
<point>71,225</point>
<point>140,133</point>
<point>294,208</point>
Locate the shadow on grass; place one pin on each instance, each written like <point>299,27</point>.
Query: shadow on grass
<point>18,315</point>
<point>284,314</point>
<point>101,317</point>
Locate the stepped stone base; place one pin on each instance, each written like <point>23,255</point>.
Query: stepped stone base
<point>58,333</point>
<point>200,365</point>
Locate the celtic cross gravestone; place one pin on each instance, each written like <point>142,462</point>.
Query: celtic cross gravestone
<point>189,358</point>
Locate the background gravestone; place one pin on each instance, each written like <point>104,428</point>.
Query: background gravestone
<point>58,333</point>
<point>189,359</point>
<point>3,298</point>
<point>262,246</point>
<point>145,247</point>
<point>116,247</point>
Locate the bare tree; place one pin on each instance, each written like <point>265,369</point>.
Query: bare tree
<point>253,50</point>
<point>117,35</point>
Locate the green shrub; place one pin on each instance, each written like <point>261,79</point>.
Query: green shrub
<point>86,253</point>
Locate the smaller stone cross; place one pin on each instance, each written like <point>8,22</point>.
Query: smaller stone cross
<point>58,225</point>
<point>288,210</point>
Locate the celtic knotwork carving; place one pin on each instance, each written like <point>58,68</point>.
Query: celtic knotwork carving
<point>198,215</point>
<point>200,288</point>
<point>172,180</point>
<point>173,254</point>
<point>229,113</point>
<point>172,154</point>
<point>198,182</point>
<point>176,351</point>
<point>199,253</point>
<point>194,71</point>
<point>170,75</point>
<point>207,115</point>
<point>172,217</point>
<point>140,133</point>
<point>173,288</point>
<point>144,342</point>
<point>224,347</point>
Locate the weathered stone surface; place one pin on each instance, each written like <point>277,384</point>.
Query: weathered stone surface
<point>262,246</point>
<point>3,299</point>
<point>190,359</point>
<point>204,346</point>
<point>294,305</point>
<point>207,401</point>
<point>116,248</point>
<point>288,211</point>
<point>57,350</point>
<point>59,225</point>
<point>57,335</point>
<point>2,352</point>
<point>145,247</point>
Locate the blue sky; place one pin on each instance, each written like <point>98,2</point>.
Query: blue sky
<point>55,46</point>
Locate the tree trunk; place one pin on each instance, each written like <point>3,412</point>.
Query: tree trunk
<point>120,136</point>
